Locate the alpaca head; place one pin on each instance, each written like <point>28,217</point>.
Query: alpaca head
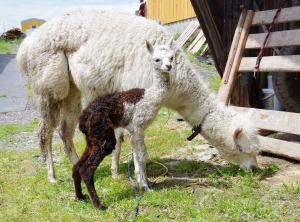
<point>162,56</point>
<point>245,142</point>
<point>247,146</point>
<point>233,134</point>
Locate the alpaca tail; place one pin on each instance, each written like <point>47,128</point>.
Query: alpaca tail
<point>22,55</point>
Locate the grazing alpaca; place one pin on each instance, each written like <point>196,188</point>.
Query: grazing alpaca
<point>134,110</point>
<point>91,53</point>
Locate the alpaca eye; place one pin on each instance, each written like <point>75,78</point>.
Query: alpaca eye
<point>157,60</point>
<point>239,148</point>
<point>171,59</point>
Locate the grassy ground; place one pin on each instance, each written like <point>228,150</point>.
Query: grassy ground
<point>9,46</point>
<point>191,190</point>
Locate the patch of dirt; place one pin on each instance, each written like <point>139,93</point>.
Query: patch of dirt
<point>288,170</point>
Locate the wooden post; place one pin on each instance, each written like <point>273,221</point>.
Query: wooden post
<point>235,55</point>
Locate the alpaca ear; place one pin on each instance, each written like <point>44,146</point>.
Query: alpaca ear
<point>237,132</point>
<point>149,47</point>
<point>169,44</point>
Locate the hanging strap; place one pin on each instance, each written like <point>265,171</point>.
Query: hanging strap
<point>256,67</point>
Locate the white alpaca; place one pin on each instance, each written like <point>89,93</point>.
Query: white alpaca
<point>91,53</point>
<point>134,110</point>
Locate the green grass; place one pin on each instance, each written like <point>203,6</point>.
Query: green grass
<point>9,46</point>
<point>195,61</point>
<point>191,191</point>
<point>8,130</point>
<point>215,82</point>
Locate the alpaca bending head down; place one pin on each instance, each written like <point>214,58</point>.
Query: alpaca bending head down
<point>134,110</point>
<point>73,60</point>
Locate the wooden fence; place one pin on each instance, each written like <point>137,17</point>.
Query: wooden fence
<point>169,10</point>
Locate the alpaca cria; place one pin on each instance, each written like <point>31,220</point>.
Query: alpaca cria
<point>91,53</point>
<point>134,110</point>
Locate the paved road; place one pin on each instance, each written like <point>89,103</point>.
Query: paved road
<point>13,94</point>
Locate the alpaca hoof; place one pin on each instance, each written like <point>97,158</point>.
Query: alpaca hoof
<point>114,173</point>
<point>145,188</point>
<point>150,184</point>
<point>83,197</point>
<point>101,207</point>
<point>53,180</point>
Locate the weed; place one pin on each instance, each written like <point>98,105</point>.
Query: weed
<point>9,46</point>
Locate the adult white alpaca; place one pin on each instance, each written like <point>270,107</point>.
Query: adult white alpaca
<point>91,53</point>
<point>133,109</point>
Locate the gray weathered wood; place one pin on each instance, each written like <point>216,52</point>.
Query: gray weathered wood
<point>279,147</point>
<point>289,63</point>
<point>198,45</point>
<point>196,40</point>
<point>276,39</point>
<point>291,14</point>
<point>188,32</point>
<point>204,50</point>
<point>264,27</point>
<point>278,121</point>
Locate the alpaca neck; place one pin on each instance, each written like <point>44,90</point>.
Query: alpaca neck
<point>160,84</point>
<point>189,95</point>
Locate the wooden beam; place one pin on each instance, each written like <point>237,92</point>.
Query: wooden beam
<point>196,40</point>
<point>188,32</point>
<point>279,147</point>
<point>276,39</point>
<point>199,44</point>
<point>289,63</point>
<point>291,14</point>
<point>271,120</point>
<point>211,31</point>
<point>234,57</point>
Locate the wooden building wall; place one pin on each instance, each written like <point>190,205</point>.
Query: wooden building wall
<point>169,11</point>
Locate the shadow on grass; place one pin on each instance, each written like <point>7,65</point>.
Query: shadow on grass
<point>184,173</point>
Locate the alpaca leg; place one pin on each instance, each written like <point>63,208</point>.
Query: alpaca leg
<point>70,111</point>
<point>104,143</point>
<point>76,175</point>
<point>88,169</point>
<point>140,158</point>
<point>49,117</point>
<point>116,153</point>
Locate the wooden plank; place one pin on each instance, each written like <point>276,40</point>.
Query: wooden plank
<point>188,32</point>
<point>280,147</point>
<point>291,14</point>
<point>211,31</point>
<point>198,45</point>
<point>204,50</point>
<point>289,63</point>
<point>278,121</point>
<point>276,39</point>
<point>264,27</point>
<point>196,40</point>
<point>235,54</point>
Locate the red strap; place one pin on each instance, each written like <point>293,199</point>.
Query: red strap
<point>256,67</point>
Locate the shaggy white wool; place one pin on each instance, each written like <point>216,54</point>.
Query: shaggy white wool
<point>104,52</point>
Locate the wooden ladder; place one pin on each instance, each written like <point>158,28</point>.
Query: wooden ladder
<point>269,120</point>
